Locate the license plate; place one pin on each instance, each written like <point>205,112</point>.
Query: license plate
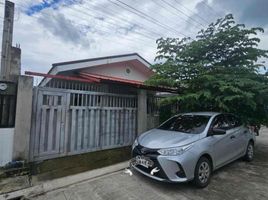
<point>144,161</point>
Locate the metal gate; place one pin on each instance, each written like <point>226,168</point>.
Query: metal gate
<point>67,122</point>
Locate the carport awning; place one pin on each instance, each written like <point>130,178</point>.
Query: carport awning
<point>96,78</point>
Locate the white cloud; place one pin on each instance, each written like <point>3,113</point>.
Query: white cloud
<point>100,28</point>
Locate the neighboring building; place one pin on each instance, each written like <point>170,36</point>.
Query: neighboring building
<point>10,56</point>
<point>9,74</point>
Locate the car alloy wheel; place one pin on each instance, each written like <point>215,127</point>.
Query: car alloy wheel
<point>202,172</point>
<point>250,152</point>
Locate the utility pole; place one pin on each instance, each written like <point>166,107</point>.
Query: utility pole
<point>10,56</point>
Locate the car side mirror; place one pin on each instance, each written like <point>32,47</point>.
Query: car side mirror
<point>218,131</point>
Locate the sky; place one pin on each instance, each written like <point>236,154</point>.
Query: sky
<point>51,31</point>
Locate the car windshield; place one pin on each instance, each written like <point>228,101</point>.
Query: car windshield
<point>192,124</point>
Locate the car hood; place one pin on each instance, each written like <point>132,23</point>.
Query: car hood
<point>157,139</point>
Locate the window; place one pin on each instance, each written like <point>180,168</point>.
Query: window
<point>233,120</point>
<point>192,124</point>
<point>221,122</point>
<point>128,70</point>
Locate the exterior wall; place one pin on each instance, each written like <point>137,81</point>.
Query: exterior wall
<point>142,111</point>
<point>23,118</point>
<point>68,165</point>
<point>15,63</point>
<point>10,56</point>
<point>6,145</point>
<point>7,40</point>
<point>152,121</point>
<point>119,70</point>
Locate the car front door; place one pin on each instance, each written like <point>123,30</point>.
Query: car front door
<point>239,131</point>
<point>223,146</point>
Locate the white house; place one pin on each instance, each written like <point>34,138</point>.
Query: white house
<point>130,67</point>
<point>89,105</point>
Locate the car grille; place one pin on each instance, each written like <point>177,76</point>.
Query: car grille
<point>152,154</point>
<point>141,150</point>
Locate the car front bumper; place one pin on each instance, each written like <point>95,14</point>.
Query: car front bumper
<point>171,168</point>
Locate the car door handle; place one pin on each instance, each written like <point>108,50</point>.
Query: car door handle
<point>232,137</point>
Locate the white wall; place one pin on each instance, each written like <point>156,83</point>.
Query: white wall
<point>6,145</point>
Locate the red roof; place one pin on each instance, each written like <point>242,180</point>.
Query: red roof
<point>97,78</point>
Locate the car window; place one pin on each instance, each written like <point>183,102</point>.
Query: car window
<point>193,124</point>
<point>233,120</point>
<point>221,122</point>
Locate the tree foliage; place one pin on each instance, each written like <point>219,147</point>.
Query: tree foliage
<point>217,71</point>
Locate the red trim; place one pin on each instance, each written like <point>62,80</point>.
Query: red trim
<point>69,78</point>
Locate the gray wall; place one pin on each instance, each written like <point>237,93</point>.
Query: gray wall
<point>10,56</point>
<point>23,118</point>
<point>142,111</point>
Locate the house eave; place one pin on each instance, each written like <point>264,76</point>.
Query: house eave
<point>80,64</point>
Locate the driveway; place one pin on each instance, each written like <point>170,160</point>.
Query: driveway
<point>238,180</point>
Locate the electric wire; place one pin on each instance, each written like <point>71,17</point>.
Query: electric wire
<point>186,8</point>
<point>136,46</point>
<point>172,6</point>
<point>146,17</point>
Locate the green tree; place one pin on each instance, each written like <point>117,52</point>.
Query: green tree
<point>216,71</point>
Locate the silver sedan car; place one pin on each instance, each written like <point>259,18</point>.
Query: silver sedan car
<point>190,146</point>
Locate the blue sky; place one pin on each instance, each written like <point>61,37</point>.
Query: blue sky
<point>36,8</point>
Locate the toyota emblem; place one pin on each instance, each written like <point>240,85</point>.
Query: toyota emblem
<point>143,150</point>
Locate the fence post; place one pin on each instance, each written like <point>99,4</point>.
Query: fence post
<point>23,118</point>
<point>142,111</point>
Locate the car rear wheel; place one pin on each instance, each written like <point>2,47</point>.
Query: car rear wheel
<point>202,172</point>
<point>250,152</point>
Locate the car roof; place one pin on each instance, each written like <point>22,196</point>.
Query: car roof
<point>202,113</point>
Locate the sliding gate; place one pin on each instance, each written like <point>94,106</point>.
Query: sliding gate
<point>67,122</point>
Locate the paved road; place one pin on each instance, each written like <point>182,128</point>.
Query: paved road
<point>238,180</point>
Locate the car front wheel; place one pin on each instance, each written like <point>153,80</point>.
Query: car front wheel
<point>202,172</point>
<point>250,152</point>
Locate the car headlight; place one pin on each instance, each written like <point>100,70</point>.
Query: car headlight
<point>174,151</point>
<point>135,144</point>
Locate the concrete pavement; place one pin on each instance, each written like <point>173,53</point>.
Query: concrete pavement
<point>238,180</point>
<point>48,186</point>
